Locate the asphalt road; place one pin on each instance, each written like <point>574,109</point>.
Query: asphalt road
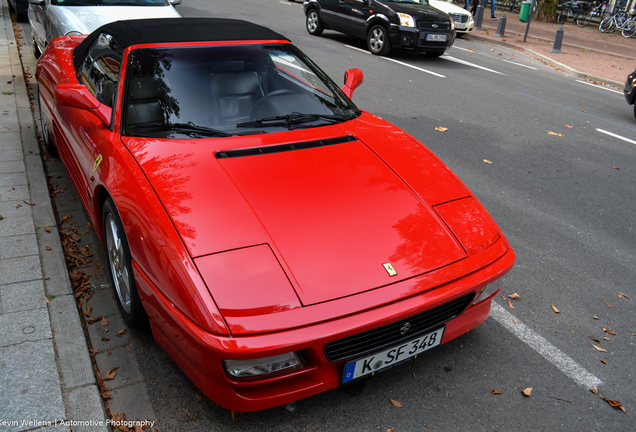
<point>535,146</point>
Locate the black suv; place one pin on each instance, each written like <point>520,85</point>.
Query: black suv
<point>386,24</point>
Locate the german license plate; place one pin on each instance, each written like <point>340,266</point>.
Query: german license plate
<point>376,362</point>
<point>460,26</point>
<point>436,37</point>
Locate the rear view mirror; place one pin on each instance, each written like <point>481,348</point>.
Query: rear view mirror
<point>353,79</point>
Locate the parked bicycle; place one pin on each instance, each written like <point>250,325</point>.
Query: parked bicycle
<point>620,21</point>
<point>573,10</point>
<point>511,5</point>
<point>598,11</point>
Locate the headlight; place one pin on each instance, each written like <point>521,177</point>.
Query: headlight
<point>262,367</point>
<point>489,290</point>
<point>406,20</point>
<point>452,24</point>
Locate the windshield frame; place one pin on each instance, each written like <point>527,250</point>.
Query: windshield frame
<point>341,103</point>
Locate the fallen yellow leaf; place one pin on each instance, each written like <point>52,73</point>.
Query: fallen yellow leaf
<point>396,403</point>
<point>606,330</point>
<point>553,133</point>
<point>510,304</point>
<point>47,229</point>
<point>608,305</point>
<point>621,295</point>
<point>487,161</point>
<point>514,296</point>
<point>554,308</point>
<point>568,126</point>
<point>598,348</point>
<point>526,392</point>
<point>441,128</point>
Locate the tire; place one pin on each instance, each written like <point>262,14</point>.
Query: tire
<point>562,17</point>
<point>47,138</point>
<point>120,267</point>
<point>630,29</point>
<point>313,23</point>
<point>583,20</point>
<point>378,41</point>
<point>606,25</point>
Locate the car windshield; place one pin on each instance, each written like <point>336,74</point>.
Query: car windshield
<point>218,91</point>
<point>109,2</point>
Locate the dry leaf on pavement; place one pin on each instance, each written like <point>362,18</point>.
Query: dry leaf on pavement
<point>496,392</point>
<point>603,361</point>
<point>594,390</point>
<point>396,403</point>
<point>514,296</point>
<point>554,308</point>
<point>608,305</point>
<point>606,330</point>
<point>621,295</point>
<point>594,339</point>
<point>553,133</point>
<point>487,161</point>
<point>120,333</point>
<point>568,126</point>
<point>606,338</point>
<point>47,229</point>
<point>615,404</point>
<point>441,128</point>
<point>87,312</point>
<point>110,374</point>
<point>390,430</point>
<point>598,348</point>
<point>104,321</point>
<point>510,304</point>
<point>526,392</point>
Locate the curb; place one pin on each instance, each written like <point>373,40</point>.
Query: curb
<point>551,61</point>
<point>84,409</point>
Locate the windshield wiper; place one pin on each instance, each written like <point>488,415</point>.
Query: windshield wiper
<point>188,127</point>
<point>295,118</point>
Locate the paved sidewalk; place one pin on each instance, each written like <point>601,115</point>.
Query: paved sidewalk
<point>46,375</point>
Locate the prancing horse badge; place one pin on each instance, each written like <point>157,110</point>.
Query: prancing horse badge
<point>389,269</point>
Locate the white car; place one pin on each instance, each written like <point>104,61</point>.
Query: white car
<point>464,22</point>
<point>52,18</point>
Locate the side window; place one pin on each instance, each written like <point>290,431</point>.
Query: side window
<point>100,69</point>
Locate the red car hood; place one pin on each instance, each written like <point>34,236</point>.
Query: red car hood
<point>334,214</point>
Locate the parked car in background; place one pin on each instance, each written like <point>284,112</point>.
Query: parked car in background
<point>464,22</point>
<point>52,18</point>
<point>280,241</point>
<point>19,8</point>
<point>630,90</point>
<point>386,24</point>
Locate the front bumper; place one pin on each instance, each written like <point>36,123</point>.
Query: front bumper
<point>419,38</point>
<point>200,353</point>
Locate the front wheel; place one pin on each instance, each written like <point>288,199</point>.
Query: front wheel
<point>630,29</point>
<point>606,25</point>
<point>120,266</point>
<point>583,20</point>
<point>313,23</point>
<point>378,41</point>
<point>562,17</point>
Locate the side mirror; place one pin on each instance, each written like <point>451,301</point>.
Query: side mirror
<point>36,2</point>
<point>78,96</point>
<point>175,2</point>
<point>353,79</point>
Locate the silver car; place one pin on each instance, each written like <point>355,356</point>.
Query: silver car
<point>52,18</point>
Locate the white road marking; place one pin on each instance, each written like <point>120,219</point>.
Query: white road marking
<point>562,362</point>
<point>519,64</point>
<point>600,87</point>
<point>414,67</point>
<point>464,62</point>
<point>465,49</point>
<point>358,49</point>
<point>616,136</point>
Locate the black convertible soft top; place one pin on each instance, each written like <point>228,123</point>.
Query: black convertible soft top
<point>170,30</point>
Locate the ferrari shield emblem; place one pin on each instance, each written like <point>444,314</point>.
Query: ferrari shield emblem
<point>97,162</point>
<point>389,269</point>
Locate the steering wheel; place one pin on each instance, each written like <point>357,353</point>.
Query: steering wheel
<point>268,95</point>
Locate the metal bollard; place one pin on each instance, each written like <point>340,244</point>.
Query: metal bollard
<point>557,41</point>
<point>501,27</point>
<point>479,14</point>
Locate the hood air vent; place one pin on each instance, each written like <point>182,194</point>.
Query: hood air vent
<point>283,147</point>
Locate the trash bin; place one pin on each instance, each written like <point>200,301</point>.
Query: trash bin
<point>524,11</point>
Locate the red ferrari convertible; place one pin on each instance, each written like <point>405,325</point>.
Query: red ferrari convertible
<point>280,241</point>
